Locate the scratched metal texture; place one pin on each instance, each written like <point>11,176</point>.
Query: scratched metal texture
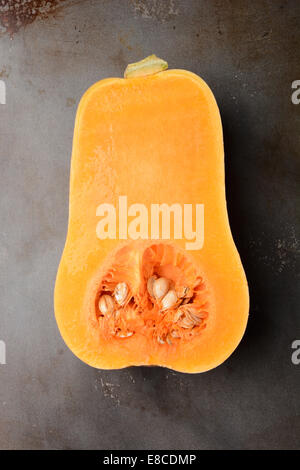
<point>50,52</point>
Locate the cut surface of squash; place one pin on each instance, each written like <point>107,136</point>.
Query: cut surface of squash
<point>148,149</point>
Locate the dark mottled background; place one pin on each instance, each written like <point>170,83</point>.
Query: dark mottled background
<point>50,52</point>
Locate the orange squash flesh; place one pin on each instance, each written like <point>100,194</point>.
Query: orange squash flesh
<point>155,139</point>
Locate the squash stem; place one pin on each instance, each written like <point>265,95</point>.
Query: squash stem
<point>148,66</point>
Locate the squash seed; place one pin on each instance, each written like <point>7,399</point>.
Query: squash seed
<point>169,300</point>
<point>178,315</point>
<point>106,304</point>
<point>160,287</point>
<point>175,334</point>
<point>192,314</point>
<point>125,335</point>
<point>187,317</point>
<point>150,285</point>
<point>160,340</point>
<point>186,323</point>
<point>183,292</point>
<point>120,292</point>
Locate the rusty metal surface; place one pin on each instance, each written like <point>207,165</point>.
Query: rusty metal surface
<point>50,53</point>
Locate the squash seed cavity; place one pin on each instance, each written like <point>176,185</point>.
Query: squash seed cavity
<point>170,308</point>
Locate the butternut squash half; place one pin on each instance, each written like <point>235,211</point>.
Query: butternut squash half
<point>150,274</point>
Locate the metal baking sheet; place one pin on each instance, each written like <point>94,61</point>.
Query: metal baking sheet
<point>50,53</point>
